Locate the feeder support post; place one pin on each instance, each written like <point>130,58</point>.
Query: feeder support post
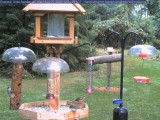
<point>71,26</point>
<point>109,65</point>
<point>53,84</point>
<point>110,51</point>
<point>39,24</point>
<point>16,84</point>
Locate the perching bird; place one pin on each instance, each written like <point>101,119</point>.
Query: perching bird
<point>9,90</point>
<point>80,99</point>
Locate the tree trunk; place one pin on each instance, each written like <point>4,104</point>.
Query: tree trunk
<point>16,85</point>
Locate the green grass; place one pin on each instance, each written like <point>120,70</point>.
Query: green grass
<point>141,100</point>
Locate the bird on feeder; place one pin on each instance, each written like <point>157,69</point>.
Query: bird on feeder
<point>76,103</point>
<point>9,91</point>
<point>80,99</point>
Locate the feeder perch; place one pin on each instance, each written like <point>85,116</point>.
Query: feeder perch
<point>56,14</point>
<point>17,55</point>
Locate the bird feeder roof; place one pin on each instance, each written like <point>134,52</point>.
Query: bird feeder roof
<point>147,49</point>
<point>75,8</point>
<point>19,54</point>
<point>50,64</point>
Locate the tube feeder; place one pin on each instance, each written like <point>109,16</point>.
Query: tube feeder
<point>89,79</point>
<point>52,66</point>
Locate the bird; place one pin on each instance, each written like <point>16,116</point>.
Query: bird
<point>80,99</point>
<point>9,90</point>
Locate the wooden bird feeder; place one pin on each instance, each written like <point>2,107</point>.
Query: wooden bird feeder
<point>56,14</point>
<point>55,37</point>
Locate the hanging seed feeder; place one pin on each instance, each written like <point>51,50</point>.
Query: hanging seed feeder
<point>143,51</point>
<point>53,67</point>
<point>18,56</point>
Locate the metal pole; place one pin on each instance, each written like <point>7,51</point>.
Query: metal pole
<point>120,112</point>
<point>122,67</point>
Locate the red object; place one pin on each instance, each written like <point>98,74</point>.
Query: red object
<point>143,55</point>
<point>89,89</point>
<point>50,96</point>
<point>111,89</point>
<point>141,79</point>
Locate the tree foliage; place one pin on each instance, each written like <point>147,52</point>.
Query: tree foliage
<point>93,27</point>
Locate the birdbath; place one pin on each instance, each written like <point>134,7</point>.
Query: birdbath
<point>18,56</point>
<point>143,51</point>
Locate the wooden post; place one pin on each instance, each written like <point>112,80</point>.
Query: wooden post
<point>108,75</point>
<point>54,82</point>
<point>71,26</point>
<point>16,85</point>
<point>109,65</point>
<point>54,90</point>
<point>39,26</point>
<point>57,88</point>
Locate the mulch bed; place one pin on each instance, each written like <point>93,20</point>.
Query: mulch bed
<point>111,89</point>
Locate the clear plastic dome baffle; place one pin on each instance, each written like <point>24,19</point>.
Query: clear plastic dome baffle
<point>19,54</point>
<point>50,64</point>
<point>147,49</point>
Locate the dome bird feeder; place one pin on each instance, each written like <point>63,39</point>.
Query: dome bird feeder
<point>18,56</point>
<point>53,67</point>
<point>50,30</point>
<point>146,51</point>
<point>143,51</point>
<point>53,108</point>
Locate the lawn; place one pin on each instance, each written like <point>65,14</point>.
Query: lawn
<point>141,100</point>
